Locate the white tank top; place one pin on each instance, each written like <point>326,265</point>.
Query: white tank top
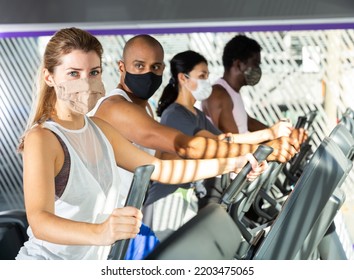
<point>91,193</point>
<point>238,111</point>
<point>126,176</point>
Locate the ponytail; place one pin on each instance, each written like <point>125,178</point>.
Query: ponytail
<point>168,96</point>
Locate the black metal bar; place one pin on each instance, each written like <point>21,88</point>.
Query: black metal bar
<point>136,195</point>
<point>240,181</point>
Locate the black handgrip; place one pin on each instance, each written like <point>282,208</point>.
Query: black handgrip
<point>139,186</point>
<point>237,184</point>
<point>301,121</point>
<point>310,119</point>
<point>349,112</point>
<point>135,198</point>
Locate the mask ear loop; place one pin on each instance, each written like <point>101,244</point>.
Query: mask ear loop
<point>185,84</point>
<point>58,90</point>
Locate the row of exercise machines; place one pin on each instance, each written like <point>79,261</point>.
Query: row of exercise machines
<point>286,214</point>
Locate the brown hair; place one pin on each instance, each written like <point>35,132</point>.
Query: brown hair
<point>63,42</point>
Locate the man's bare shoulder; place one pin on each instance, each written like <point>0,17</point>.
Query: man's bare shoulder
<point>219,95</point>
<point>219,91</point>
<point>115,104</point>
<point>115,99</point>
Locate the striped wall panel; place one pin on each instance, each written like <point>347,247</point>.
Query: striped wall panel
<point>19,60</point>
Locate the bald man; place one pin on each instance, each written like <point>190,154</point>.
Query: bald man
<point>127,109</point>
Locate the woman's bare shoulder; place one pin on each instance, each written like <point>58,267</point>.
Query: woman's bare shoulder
<point>39,136</point>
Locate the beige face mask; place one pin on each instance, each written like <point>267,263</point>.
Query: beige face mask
<point>81,95</point>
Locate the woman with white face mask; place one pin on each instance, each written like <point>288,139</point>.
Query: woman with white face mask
<point>168,207</point>
<point>189,83</point>
<point>71,184</point>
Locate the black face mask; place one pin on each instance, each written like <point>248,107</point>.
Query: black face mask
<point>252,75</point>
<point>143,86</point>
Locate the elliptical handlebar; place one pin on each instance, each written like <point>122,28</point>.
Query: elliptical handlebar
<point>135,198</point>
<point>240,181</point>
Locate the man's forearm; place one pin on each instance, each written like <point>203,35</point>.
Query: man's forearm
<point>254,125</point>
